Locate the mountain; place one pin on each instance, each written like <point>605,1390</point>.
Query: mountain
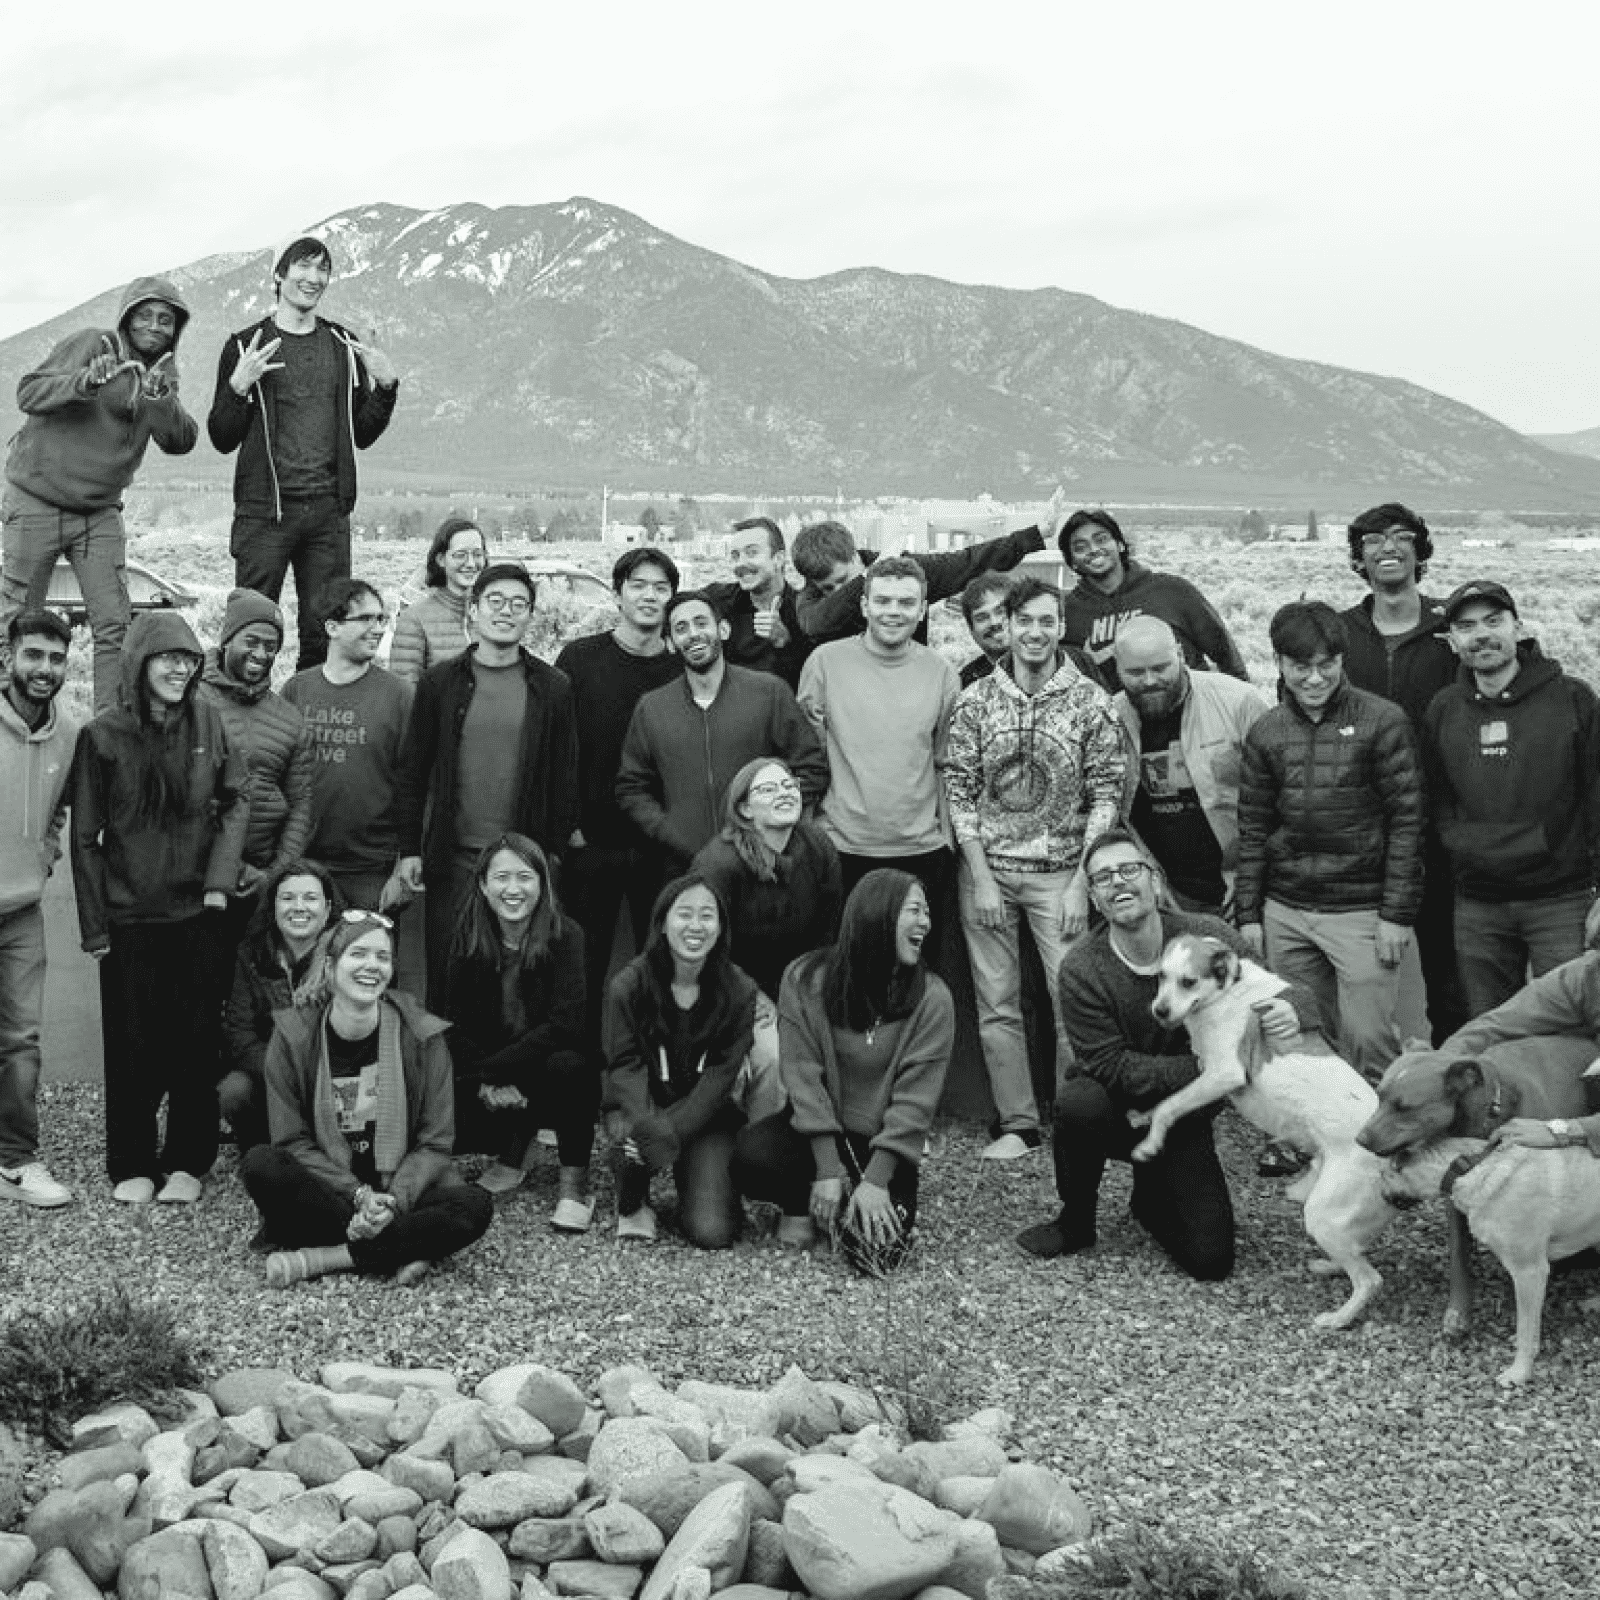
<point>1585,443</point>
<point>575,343</point>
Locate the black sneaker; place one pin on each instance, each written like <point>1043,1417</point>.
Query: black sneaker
<point>1047,1240</point>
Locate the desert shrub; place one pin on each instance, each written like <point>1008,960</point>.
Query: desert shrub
<point>55,1368</point>
<point>1143,1565</point>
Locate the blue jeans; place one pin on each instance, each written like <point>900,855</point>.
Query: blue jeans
<point>36,536</point>
<point>21,998</point>
<point>1500,942</point>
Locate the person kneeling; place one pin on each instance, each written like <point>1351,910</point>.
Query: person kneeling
<point>359,1100</point>
<point>678,1024</point>
<point>1127,1063</point>
<point>866,1034</point>
<point>517,1005</point>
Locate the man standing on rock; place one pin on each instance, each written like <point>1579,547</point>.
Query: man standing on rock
<point>297,396</point>
<point>98,399</point>
<point>36,745</point>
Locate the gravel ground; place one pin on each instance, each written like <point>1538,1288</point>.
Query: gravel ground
<point>1383,1462</point>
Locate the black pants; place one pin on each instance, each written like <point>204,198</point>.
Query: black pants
<point>314,539</point>
<point>297,1209</point>
<point>242,1099</point>
<point>709,1212</point>
<point>1180,1197</point>
<point>563,1092</point>
<point>155,983</point>
<point>595,881</point>
<point>1436,943</point>
<point>441,905</point>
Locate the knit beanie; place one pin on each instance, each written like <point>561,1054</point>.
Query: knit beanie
<point>244,607</point>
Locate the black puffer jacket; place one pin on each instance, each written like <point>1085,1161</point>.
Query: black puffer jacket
<point>1330,812</point>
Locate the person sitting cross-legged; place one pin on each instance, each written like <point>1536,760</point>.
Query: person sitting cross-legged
<point>1127,1062</point>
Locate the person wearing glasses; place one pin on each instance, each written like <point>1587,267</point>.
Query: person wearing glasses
<point>1126,1062</point>
<point>356,715</point>
<point>358,1177</point>
<point>160,805</point>
<point>1398,645</point>
<point>491,748</point>
<point>1512,756</point>
<point>434,628</point>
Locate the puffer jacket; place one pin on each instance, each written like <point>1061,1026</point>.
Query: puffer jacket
<point>1330,812</point>
<point>431,630</point>
<point>128,867</point>
<point>1032,777</point>
<point>276,745</point>
<point>80,447</point>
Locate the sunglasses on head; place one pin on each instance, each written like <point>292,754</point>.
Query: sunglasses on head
<point>357,915</point>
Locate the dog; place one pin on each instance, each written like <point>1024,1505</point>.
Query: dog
<point>1316,1102</point>
<point>1425,1097</point>
<point>1530,1207</point>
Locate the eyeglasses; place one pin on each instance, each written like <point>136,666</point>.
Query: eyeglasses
<point>356,914</point>
<point>767,791</point>
<point>516,605</point>
<point>1394,536</point>
<point>175,661</point>
<point>368,619</point>
<point>1123,872</point>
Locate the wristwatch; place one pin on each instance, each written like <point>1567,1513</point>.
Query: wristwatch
<point>1566,1131</point>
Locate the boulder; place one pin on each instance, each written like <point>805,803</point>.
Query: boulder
<point>858,1407</point>
<point>404,1569</point>
<point>172,1452</point>
<point>259,1425</point>
<point>766,1561</point>
<point>370,1585</point>
<point>431,1479</point>
<point>541,1391</point>
<point>715,1535</point>
<point>255,1491</point>
<point>247,1387</point>
<point>13,1468</point>
<point>755,1591</point>
<point>1031,1509</point>
<point>684,1424</point>
<point>580,1441</point>
<point>17,1554</point>
<point>992,1420</point>
<point>396,1536</point>
<point>317,1459</point>
<point>616,1388</point>
<point>593,1578</point>
<point>413,1411</point>
<point>628,1447</point>
<point>623,1534</point>
<point>512,1428</point>
<point>165,1498</point>
<point>547,1539</point>
<point>855,1542</point>
<point>99,1533</point>
<point>295,1583</point>
<point>297,1524</point>
<point>228,1452</point>
<point>471,1567</point>
<point>691,1583</point>
<point>963,1495</point>
<point>810,1473</point>
<point>732,1413</point>
<point>978,1455</point>
<point>977,1560</point>
<point>125,1421</point>
<point>501,1500</point>
<point>59,1574</point>
<point>667,1498</point>
<point>806,1412</point>
<point>414,1591</point>
<point>551,1485</point>
<point>236,1563</point>
<point>365,1377</point>
<point>763,1459</point>
<point>167,1564</point>
<point>378,1505</point>
<point>353,1540</point>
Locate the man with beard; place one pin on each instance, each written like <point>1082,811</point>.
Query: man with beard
<point>1512,753</point>
<point>1187,729</point>
<point>92,407</point>
<point>687,739</point>
<point>1033,772</point>
<point>36,745</point>
<point>297,396</point>
<point>764,631</point>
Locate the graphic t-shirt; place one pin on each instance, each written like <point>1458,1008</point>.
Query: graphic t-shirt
<point>1168,815</point>
<point>306,413</point>
<point>353,1067</point>
<point>356,729</point>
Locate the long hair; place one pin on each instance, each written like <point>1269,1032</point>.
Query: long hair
<point>433,566</point>
<point>263,921</point>
<point>765,863</point>
<point>477,930</point>
<point>657,955</point>
<point>343,931</point>
<point>161,757</point>
<point>863,981</point>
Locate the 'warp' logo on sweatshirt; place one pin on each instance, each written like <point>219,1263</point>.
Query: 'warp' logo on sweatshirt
<point>1494,738</point>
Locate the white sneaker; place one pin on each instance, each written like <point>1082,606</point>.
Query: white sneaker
<point>1010,1147</point>
<point>640,1224</point>
<point>33,1184</point>
<point>134,1192</point>
<point>180,1189</point>
<point>548,1138</point>
<point>500,1179</point>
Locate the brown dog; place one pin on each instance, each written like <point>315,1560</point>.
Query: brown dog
<point>1425,1096</point>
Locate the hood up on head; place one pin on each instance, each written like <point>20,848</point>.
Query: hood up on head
<point>149,634</point>
<point>162,289</point>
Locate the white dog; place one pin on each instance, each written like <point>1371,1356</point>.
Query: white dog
<point>1315,1102</point>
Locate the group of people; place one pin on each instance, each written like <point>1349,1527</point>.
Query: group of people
<point>371,918</point>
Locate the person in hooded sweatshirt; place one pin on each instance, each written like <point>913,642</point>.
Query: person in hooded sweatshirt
<point>92,406</point>
<point>1112,588</point>
<point>1511,751</point>
<point>160,805</point>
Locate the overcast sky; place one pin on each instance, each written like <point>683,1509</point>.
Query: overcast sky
<point>1407,188</point>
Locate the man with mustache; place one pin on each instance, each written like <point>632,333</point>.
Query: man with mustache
<point>764,631</point>
<point>1512,754</point>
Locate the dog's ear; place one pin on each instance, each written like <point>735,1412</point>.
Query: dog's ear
<point>1460,1077</point>
<point>1224,963</point>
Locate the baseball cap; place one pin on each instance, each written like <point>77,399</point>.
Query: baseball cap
<point>1484,589</point>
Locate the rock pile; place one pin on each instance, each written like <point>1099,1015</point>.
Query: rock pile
<point>385,1483</point>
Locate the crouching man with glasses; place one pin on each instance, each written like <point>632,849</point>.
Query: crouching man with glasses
<point>1126,1063</point>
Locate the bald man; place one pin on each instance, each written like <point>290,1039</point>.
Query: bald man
<point>1188,728</point>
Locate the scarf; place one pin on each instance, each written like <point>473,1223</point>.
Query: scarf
<point>389,1146</point>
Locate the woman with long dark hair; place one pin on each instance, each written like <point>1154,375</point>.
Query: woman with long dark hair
<point>434,628</point>
<point>358,1176</point>
<point>517,1002</point>
<point>677,1025</point>
<point>865,1033</point>
<point>277,960</point>
<point>159,809</point>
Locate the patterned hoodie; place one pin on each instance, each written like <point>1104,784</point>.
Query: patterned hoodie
<point>1033,777</point>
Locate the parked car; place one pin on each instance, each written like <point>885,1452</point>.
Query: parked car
<point>147,591</point>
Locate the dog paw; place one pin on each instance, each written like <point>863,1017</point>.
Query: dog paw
<point>1455,1324</point>
<point>1515,1376</point>
<point>1322,1267</point>
<point>1331,1321</point>
<point>1145,1149</point>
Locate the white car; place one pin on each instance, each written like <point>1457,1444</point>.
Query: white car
<point>147,591</point>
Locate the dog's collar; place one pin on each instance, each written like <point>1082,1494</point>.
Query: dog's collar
<point>1458,1169</point>
<point>1494,1113</point>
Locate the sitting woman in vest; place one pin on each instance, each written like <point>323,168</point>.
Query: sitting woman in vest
<point>866,1033</point>
<point>358,1176</point>
<point>434,628</point>
<point>517,1003</point>
<point>278,959</point>
<point>677,1026</point>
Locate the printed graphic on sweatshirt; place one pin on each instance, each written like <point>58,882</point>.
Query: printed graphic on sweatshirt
<point>334,730</point>
<point>1164,777</point>
<point>1103,635</point>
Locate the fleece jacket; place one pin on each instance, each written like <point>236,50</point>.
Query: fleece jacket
<point>35,764</point>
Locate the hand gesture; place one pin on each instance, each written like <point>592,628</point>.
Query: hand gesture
<point>254,364</point>
<point>162,379</point>
<point>379,367</point>
<point>1055,514</point>
<point>102,369</point>
<point>871,1214</point>
<point>827,1195</point>
<point>769,625</point>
